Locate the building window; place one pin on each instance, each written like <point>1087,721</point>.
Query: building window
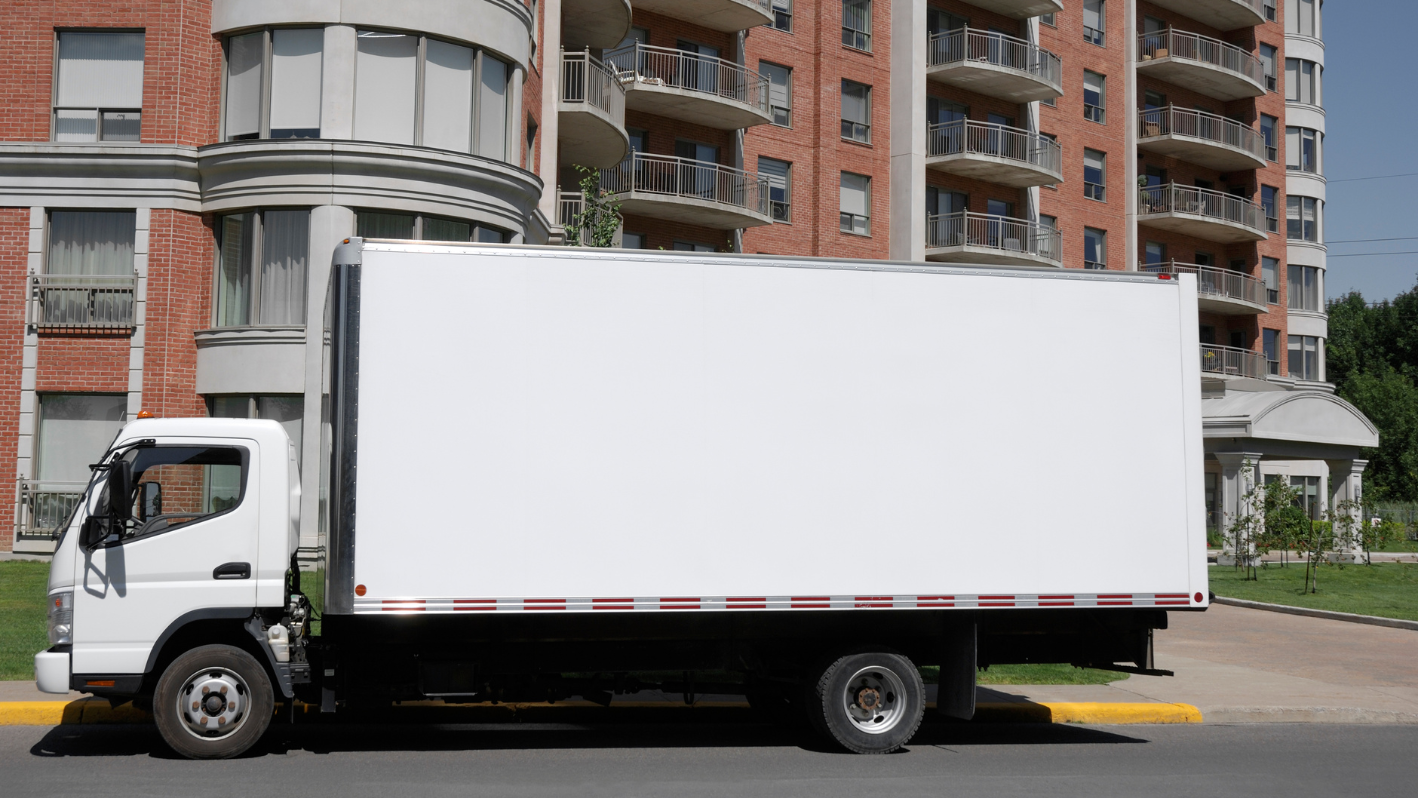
<point>529,158</point>
<point>856,204</point>
<point>1302,17</point>
<point>98,94</point>
<point>1094,164</point>
<point>691,246</point>
<point>1268,203</point>
<point>1094,96</point>
<point>1270,347</point>
<point>1269,10</point>
<point>1303,288</point>
<point>1154,253</point>
<point>1048,19</point>
<point>72,432</point>
<point>780,92</point>
<point>1305,357</point>
<point>1270,275</point>
<point>1267,133</point>
<point>1302,149</point>
<point>279,102</point>
<point>287,409</point>
<point>1302,219</point>
<point>1302,81</point>
<point>1093,17</point>
<point>417,227</point>
<point>780,187</point>
<point>465,94</point>
<point>783,15</point>
<point>1095,248</point>
<point>261,267</point>
<point>856,111</point>
<point>91,243</point>
<point>856,24</point>
<point>1307,489</point>
<point>632,240</point>
<point>1267,65</point>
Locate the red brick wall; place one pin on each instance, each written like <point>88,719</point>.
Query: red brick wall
<point>532,98</point>
<point>179,303</point>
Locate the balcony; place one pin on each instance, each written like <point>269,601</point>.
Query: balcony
<point>1005,155</point>
<point>1019,9</point>
<point>1201,212</point>
<point>590,113</point>
<point>44,507</point>
<point>1219,14</point>
<point>1220,291</point>
<point>1228,361</point>
<point>594,23</point>
<point>729,16</point>
<point>1200,138</point>
<point>994,64</point>
<point>689,191</point>
<point>1200,63</point>
<point>690,87</point>
<point>82,303</point>
<point>981,238</point>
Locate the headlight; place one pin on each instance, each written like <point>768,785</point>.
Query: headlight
<point>61,618</point>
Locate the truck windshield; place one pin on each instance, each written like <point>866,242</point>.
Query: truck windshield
<point>179,485</point>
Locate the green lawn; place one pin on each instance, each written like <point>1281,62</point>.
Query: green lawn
<point>23,628</point>
<point>1389,590</point>
<point>1033,674</point>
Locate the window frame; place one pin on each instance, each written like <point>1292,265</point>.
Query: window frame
<point>253,263</point>
<point>474,226</point>
<point>1270,277</point>
<point>866,205</point>
<point>1308,345</point>
<point>1101,250</point>
<point>1091,190</point>
<point>263,109</point>
<point>55,107</point>
<point>1096,113</point>
<point>1271,210</point>
<point>1267,54</point>
<point>787,14</point>
<point>1272,147</point>
<point>1302,297</point>
<point>1303,134</point>
<point>100,497</point>
<point>1096,36</point>
<point>788,109</point>
<point>865,126</point>
<point>861,39</point>
<point>787,203</point>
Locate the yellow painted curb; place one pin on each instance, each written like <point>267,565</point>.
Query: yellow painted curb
<point>1104,713</point>
<point>55,713</point>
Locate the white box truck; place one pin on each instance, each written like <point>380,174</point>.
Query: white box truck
<point>554,472</point>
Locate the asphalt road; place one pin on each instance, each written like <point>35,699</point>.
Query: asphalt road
<point>1288,760</point>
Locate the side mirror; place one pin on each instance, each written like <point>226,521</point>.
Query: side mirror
<point>95,529</point>
<point>120,491</point>
<point>149,500</point>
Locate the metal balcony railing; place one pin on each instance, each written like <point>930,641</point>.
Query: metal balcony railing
<point>1001,233</point>
<point>1202,49</point>
<point>1216,282</point>
<point>684,177</point>
<point>997,49</point>
<point>1200,125</point>
<point>82,302</point>
<point>982,138</point>
<point>1235,362</point>
<point>584,79</point>
<point>642,64</point>
<point>1172,198</point>
<point>568,206</point>
<point>44,507</point>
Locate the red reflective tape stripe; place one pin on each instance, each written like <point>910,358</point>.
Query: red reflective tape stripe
<point>695,600</point>
<point>935,604</point>
<point>1171,602</point>
<point>613,601</point>
<point>1114,603</point>
<point>1114,595</point>
<point>760,598</point>
<point>1174,595</point>
<point>935,598</point>
<point>543,604</point>
<point>679,606</point>
<point>997,604</point>
<point>747,603</point>
<point>1056,604</point>
<point>869,604</point>
<point>613,604</point>
<point>810,606</point>
<point>465,605</point>
<point>996,598</point>
<point>1056,598</point>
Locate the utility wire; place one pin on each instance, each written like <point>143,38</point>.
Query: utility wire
<point>1374,254</point>
<point>1375,177</point>
<point>1366,240</point>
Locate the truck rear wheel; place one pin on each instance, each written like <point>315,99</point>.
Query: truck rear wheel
<point>213,702</point>
<point>870,703</point>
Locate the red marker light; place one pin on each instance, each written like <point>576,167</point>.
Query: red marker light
<point>1164,276</point>
<point>1197,597</point>
<point>360,591</point>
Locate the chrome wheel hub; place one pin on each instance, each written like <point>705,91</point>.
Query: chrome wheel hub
<point>875,700</point>
<point>213,703</point>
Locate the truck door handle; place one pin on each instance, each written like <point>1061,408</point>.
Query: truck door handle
<point>232,570</point>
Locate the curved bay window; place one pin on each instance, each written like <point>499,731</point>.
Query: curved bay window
<point>419,227</point>
<point>261,267</point>
<point>272,86</point>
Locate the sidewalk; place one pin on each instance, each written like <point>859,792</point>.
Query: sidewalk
<point>1234,665</point>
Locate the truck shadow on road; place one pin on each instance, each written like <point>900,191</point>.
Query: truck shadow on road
<point>330,738</point>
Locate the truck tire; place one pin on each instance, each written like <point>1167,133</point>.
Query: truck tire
<point>868,703</point>
<point>213,702</point>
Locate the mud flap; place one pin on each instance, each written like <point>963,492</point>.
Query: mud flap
<point>956,695</point>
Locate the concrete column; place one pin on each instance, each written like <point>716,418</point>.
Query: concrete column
<point>1240,471</point>
<point>549,51</point>
<point>337,82</point>
<point>29,362</point>
<point>1346,484</point>
<point>329,225</point>
<point>908,131</point>
<point>136,344</point>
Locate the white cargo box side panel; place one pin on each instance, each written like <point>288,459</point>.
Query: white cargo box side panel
<point>533,425</point>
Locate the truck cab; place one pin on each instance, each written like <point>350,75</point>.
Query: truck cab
<point>183,540</point>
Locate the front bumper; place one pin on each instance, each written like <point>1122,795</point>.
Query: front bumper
<point>51,671</point>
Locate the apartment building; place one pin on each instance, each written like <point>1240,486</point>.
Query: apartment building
<point>173,180</point>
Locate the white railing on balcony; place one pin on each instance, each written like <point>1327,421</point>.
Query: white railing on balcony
<point>584,79</point>
<point>1001,233</point>
<point>684,177</point>
<point>997,49</point>
<point>1172,198</point>
<point>1200,125</point>
<point>1235,362</point>
<point>82,302</point>
<point>1216,282</point>
<point>982,138</point>
<point>44,507</point>
<point>643,65</point>
<point>1202,49</point>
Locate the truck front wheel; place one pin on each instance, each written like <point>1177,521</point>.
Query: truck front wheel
<point>213,702</point>
<point>870,703</point>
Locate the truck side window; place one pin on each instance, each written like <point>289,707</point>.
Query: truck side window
<point>178,485</point>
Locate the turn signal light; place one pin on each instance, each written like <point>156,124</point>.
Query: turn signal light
<point>145,414</point>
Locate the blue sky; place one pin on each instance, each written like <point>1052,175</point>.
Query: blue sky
<point>1371,122</point>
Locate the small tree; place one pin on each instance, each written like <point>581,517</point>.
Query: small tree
<point>1312,543</point>
<point>599,218</point>
<point>1247,527</point>
<point>1285,519</point>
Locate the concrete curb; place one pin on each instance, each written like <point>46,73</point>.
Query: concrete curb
<point>1372,620</point>
<point>96,711</point>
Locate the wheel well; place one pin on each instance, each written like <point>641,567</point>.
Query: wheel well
<point>205,632</point>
